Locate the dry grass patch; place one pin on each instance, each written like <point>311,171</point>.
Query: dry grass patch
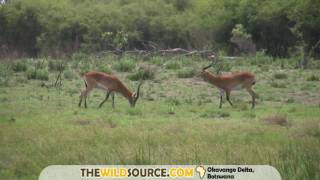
<point>276,120</point>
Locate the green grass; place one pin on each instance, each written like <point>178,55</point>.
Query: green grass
<point>280,76</point>
<point>19,66</point>
<point>144,73</point>
<point>176,121</point>
<point>41,74</point>
<point>313,78</point>
<point>173,65</point>
<point>125,65</point>
<point>186,73</point>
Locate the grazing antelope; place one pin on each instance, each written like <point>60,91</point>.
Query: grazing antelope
<point>108,83</point>
<point>227,82</point>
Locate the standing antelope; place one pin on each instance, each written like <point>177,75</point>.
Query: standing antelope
<point>108,83</point>
<point>227,82</point>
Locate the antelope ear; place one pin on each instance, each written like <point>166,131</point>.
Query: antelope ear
<point>134,94</point>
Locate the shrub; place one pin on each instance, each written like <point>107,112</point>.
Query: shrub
<point>290,100</point>
<point>125,65</point>
<point>40,74</point>
<point>85,67</point>
<point>280,76</point>
<point>144,73</point>
<point>313,78</point>
<point>173,65</point>
<point>19,66</point>
<point>222,66</point>
<point>4,70</point>
<point>157,60</point>
<point>80,56</point>
<point>56,65</point>
<point>41,63</point>
<point>278,85</point>
<point>105,69</point>
<point>186,73</point>
<point>261,58</point>
<point>43,74</point>
<point>68,74</point>
<point>187,61</point>
<point>173,101</point>
<point>4,81</point>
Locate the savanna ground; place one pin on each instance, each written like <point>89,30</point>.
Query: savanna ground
<point>176,120</point>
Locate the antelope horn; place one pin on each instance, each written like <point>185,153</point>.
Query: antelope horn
<point>138,90</point>
<point>207,67</point>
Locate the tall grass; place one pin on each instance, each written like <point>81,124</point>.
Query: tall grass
<point>125,65</point>
<point>175,121</point>
<point>186,72</point>
<point>19,66</point>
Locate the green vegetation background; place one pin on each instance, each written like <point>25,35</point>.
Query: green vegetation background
<point>56,27</point>
<point>177,119</point>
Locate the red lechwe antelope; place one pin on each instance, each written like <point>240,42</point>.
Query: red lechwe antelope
<point>228,82</point>
<point>110,84</point>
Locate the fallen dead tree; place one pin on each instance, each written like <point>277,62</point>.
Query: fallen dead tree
<point>161,52</point>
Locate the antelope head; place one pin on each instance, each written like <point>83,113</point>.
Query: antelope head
<point>135,96</point>
<point>205,74</point>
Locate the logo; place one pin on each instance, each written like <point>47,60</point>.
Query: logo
<point>201,171</point>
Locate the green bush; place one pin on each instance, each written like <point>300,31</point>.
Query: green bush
<point>79,56</point>
<point>280,76</point>
<point>142,74</point>
<point>260,58</point>
<point>105,69</point>
<point>40,74</point>
<point>173,65</point>
<point>313,78</point>
<point>40,64</point>
<point>173,101</point>
<point>68,74</point>
<point>125,65</point>
<point>157,60</point>
<point>56,65</point>
<point>186,73</point>
<point>278,85</point>
<point>21,79</point>
<point>19,66</point>
<point>4,81</point>
<point>85,67</point>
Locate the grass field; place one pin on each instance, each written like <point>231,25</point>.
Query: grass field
<point>176,120</point>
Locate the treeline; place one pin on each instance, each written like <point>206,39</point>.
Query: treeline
<point>59,27</point>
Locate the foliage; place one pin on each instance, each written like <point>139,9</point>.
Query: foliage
<point>313,78</point>
<point>40,74</point>
<point>104,68</point>
<point>19,66</point>
<point>56,65</point>
<point>56,28</point>
<point>280,76</point>
<point>68,74</point>
<point>186,72</point>
<point>125,65</point>
<point>142,74</point>
<point>173,65</point>
<point>277,84</point>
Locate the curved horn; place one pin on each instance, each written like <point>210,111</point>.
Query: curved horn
<point>138,91</point>
<point>207,67</point>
